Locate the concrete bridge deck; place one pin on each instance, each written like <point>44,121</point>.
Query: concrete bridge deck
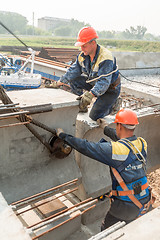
<point>27,168</point>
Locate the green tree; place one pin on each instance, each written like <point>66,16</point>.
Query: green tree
<point>30,30</point>
<point>63,31</point>
<point>135,33</point>
<point>14,21</point>
<point>106,34</point>
<point>70,29</point>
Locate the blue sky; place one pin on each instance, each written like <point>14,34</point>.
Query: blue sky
<point>102,15</point>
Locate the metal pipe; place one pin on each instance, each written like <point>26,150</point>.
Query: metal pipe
<point>41,125</point>
<point>108,231</point>
<point>40,138</point>
<point>35,197</point>
<point>39,108</point>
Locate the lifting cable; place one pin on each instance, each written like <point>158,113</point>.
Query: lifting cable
<point>13,34</point>
<point>150,85</point>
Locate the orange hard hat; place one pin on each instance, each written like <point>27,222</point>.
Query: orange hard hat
<point>126,116</point>
<point>85,35</point>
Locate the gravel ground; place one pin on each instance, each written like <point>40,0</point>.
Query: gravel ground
<point>154,182</point>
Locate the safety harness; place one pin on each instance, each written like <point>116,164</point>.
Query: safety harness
<point>137,186</point>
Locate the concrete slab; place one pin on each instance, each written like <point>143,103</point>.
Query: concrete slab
<point>146,227</point>
<point>10,226</point>
<point>148,128</point>
<point>95,175</point>
<point>27,167</point>
<point>63,231</point>
<point>57,97</point>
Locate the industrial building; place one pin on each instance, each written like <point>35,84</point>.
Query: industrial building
<point>50,23</point>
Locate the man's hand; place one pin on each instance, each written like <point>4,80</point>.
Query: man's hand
<point>54,84</point>
<point>85,100</point>
<point>102,123</point>
<point>59,130</point>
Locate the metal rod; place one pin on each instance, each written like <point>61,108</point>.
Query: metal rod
<point>9,105</point>
<point>51,229</point>
<point>40,204</point>
<point>14,124</point>
<point>86,210</point>
<point>5,99</point>
<point>12,114</point>
<point>41,125</point>
<point>152,105</point>
<point>44,192</point>
<point>64,214</point>
<point>39,108</point>
<point>59,213</point>
<point>8,108</point>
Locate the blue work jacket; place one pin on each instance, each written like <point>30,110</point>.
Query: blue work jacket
<point>102,64</point>
<point>114,154</point>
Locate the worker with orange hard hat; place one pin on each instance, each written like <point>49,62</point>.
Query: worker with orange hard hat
<point>85,35</point>
<point>96,72</point>
<point>126,156</point>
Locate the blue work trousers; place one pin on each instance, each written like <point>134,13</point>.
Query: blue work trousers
<point>103,104</point>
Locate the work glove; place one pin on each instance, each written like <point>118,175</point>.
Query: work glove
<point>85,100</point>
<point>65,148</point>
<point>54,84</point>
<point>59,130</point>
<point>102,123</point>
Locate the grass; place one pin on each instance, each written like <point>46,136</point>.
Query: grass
<point>113,45</point>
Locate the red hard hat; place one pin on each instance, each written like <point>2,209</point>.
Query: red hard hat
<point>85,35</point>
<point>126,116</point>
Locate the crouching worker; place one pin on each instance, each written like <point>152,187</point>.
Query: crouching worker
<point>94,71</point>
<point>126,156</point>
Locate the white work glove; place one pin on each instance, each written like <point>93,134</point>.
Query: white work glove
<point>59,130</point>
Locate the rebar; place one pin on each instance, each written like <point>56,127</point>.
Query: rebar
<point>14,124</point>
<point>74,209</point>
<point>43,203</point>
<point>61,212</point>
<point>53,228</point>
<point>38,196</point>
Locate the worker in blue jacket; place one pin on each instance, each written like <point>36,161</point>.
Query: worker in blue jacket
<point>94,71</point>
<point>126,157</point>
